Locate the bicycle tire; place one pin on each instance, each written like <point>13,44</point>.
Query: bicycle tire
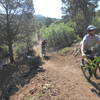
<point>86,71</point>
<point>97,68</point>
<point>43,52</point>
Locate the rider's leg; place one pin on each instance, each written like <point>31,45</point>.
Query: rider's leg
<point>87,52</point>
<point>43,51</point>
<point>82,63</point>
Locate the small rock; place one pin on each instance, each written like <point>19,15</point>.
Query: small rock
<point>33,91</point>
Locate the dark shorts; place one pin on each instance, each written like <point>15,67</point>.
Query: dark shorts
<point>90,54</point>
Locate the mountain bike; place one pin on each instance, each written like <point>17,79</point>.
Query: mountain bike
<point>43,51</point>
<point>91,65</point>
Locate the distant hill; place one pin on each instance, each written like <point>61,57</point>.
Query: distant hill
<point>40,17</point>
<point>45,20</point>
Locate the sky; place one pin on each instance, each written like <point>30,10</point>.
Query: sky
<point>48,8</point>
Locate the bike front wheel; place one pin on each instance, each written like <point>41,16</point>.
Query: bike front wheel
<point>86,71</point>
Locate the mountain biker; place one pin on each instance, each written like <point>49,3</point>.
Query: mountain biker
<point>43,47</point>
<point>89,41</point>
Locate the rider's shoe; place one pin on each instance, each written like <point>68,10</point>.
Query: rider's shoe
<point>82,63</point>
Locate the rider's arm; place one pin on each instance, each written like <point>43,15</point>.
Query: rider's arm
<point>98,39</point>
<point>82,50</point>
<point>98,42</point>
<point>46,44</point>
<point>83,44</point>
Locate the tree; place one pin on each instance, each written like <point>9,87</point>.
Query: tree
<point>27,28</point>
<point>37,26</point>
<point>49,21</point>
<point>81,11</point>
<point>11,15</point>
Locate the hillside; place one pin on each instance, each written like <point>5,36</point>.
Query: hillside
<point>45,20</point>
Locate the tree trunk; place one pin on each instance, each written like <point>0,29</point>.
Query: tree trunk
<point>8,33</point>
<point>11,52</point>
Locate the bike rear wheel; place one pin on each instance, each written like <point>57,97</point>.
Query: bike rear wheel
<point>43,52</point>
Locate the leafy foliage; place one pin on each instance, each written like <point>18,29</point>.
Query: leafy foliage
<point>93,64</point>
<point>3,51</point>
<point>81,11</point>
<point>59,35</point>
<point>12,15</point>
<point>96,20</point>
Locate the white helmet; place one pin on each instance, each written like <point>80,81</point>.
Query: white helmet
<point>91,27</point>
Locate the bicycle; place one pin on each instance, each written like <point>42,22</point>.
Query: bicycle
<point>43,52</point>
<point>91,64</point>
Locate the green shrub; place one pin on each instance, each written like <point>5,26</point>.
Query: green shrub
<point>19,48</point>
<point>59,35</point>
<point>64,51</point>
<point>3,51</point>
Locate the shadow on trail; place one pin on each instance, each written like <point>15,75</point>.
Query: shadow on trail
<point>96,88</point>
<point>46,57</point>
<point>16,80</point>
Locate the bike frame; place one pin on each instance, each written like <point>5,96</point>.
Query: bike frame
<point>91,66</point>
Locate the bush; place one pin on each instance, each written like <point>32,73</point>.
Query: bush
<point>34,61</point>
<point>3,51</point>
<point>96,22</point>
<point>59,35</point>
<point>64,51</point>
<point>19,48</point>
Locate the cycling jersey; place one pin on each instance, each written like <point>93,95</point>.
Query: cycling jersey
<point>90,41</point>
<point>44,44</point>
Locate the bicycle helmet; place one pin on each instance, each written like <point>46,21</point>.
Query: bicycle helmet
<point>91,27</point>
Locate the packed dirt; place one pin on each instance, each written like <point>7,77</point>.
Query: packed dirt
<point>62,79</point>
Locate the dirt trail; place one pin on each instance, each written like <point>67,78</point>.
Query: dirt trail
<point>64,71</point>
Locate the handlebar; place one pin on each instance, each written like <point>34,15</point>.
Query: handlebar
<point>92,56</point>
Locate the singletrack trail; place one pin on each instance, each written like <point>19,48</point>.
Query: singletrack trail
<point>66,74</point>
<point>65,71</point>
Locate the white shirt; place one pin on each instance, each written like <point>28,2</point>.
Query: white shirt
<point>90,41</point>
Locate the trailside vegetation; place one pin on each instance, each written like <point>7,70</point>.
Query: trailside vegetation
<point>59,35</point>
